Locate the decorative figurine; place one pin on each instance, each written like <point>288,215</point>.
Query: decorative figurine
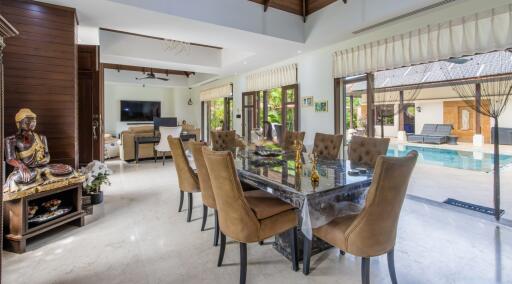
<point>298,151</point>
<point>315,177</point>
<point>27,152</point>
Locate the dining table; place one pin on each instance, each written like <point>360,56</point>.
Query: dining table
<point>341,190</point>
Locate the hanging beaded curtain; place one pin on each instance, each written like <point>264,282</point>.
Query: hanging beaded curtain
<point>480,32</point>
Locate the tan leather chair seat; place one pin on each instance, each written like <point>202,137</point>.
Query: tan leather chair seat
<point>277,224</point>
<point>335,231</point>
<point>264,204</point>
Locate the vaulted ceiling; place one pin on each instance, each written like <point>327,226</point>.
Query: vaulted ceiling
<point>299,7</point>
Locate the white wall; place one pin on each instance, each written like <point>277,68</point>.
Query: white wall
<point>174,103</point>
<point>431,112</point>
<point>506,117</point>
<point>315,70</point>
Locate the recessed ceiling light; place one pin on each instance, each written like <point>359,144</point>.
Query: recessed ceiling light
<point>245,62</point>
<point>299,51</point>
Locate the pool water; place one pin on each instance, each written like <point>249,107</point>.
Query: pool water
<point>474,161</point>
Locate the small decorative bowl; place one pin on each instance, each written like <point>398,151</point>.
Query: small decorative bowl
<point>52,205</point>
<point>32,211</point>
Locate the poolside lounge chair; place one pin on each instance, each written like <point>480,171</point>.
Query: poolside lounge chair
<point>432,134</point>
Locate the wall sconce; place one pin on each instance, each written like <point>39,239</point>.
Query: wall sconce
<point>418,109</point>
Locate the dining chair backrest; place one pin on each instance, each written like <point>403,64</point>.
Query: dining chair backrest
<point>202,173</point>
<point>163,145</point>
<point>327,146</point>
<point>373,232</point>
<point>187,179</point>
<point>290,137</point>
<point>223,140</point>
<point>236,219</point>
<point>364,151</point>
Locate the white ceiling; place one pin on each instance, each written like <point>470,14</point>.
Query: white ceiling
<point>249,37</point>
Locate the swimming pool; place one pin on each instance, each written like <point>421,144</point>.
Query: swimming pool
<point>474,161</point>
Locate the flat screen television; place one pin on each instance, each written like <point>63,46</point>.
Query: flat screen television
<point>139,110</point>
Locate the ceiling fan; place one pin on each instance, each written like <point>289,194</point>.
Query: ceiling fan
<point>152,76</point>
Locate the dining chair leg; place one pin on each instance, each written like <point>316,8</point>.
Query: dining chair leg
<point>295,249</point>
<point>155,155</point>
<point>163,158</point>
<point>205,214</point>
<point>182,195</point>
<point>190,204</point>
<point>222,248</point>
<point>391,266</point>
<point>216,230</point>
<point>243,262</point>
<point>306,256</point>
<point>365,270</point>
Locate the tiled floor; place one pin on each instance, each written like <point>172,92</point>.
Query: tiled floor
<point>141,238</point>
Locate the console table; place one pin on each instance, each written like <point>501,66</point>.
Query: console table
<point>155,140</point>
<point>17,227</point>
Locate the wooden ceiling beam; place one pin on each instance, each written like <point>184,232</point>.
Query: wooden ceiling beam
<point>265,5</point>
<point>154,37</point>
<point>142,69</point>
<point>304,10</point>
<point>297,7</point>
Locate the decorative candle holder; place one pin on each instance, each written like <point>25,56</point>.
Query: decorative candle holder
<point>298,151</point>
<point>315,177</point>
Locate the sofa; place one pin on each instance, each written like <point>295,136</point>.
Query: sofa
<point>127,147</point>
<point>432,134</point>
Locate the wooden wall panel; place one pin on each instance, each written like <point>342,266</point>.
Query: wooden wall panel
<point>451,115</point>
<point>40,73</point>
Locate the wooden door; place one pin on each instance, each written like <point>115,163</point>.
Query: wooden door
<point>290,109</point>
<point>90,105</point>
<point>248,114</point>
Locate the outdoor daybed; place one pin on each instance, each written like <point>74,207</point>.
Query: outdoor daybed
<point>432,134</point>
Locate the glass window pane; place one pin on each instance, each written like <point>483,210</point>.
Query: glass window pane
<point>274,105</point>
<point>217,114</point>
<point>290,95</point>
<point>290,117</point>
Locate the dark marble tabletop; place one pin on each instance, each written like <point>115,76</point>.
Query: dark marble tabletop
<point>280,172</point>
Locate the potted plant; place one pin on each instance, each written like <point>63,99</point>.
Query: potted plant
<point>96,174</point>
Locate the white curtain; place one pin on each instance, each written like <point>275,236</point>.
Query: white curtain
<point>273,78</point>
<point>481,32</point>
<point>216,93</point>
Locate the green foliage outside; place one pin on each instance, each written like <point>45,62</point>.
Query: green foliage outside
<point>357,103</point>
<point>216,113</point>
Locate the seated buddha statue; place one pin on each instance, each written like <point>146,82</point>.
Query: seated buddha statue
<point>27,152</point>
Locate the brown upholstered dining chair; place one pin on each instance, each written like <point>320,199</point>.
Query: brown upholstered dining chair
<point>223,140</point>
<point>246,218</point>
<point>364,151</point>
<point>187,179</point>
<point>372,232</point>
<point>205,186</point>
<point>327,146</point>
<point>290,137</point>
